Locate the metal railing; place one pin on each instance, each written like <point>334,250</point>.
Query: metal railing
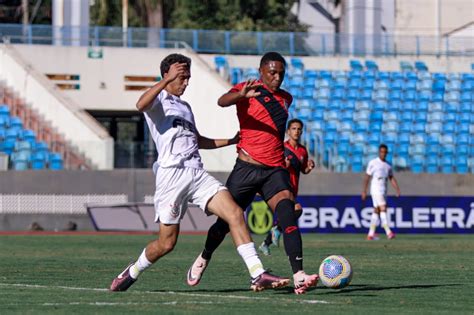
<point>233,42</point>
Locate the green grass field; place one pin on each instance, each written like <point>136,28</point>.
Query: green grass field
<point>423,274</point>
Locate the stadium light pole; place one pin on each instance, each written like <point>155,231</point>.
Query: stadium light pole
<point>124,22</point>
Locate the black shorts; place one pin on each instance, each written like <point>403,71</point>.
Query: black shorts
<point>247,179</point>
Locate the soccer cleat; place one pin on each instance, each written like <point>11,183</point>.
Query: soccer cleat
<point>196,271</point>
<point>268,281</point>
<point>123,280</point>
<point>276,234</point>
<point>374,237</point>
<point>264,249</point>
<point>303,281</point>
<point>391,235</point>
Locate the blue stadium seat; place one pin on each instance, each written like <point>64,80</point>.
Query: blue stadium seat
<point>363,115</point>
<point>449,127</point>
<point>424,96</point>
<point>439,85</point>
<point>461,164</point>
<point>8,146</point>
<point>361,126</point>
<point>371,65</point>
<point>55,162</point>
<point>346,126</point>
<point>447,164</point>
<point>390,126</point>
<point>354,84</point>
<point>324,74</point>
<point>323,83</point>
<point>432,149</point>
<point>355,74</point>
<point>437,96</point>
<point>355,64</point>
<point>368,84</point>
<point>346,116</point>
<point>250,73</point>
<point>236,75</point>
<point>417,149</point>
<point>309,82</point>
<point>318,115</point>
<point>338,94</point>
<point>405,66</point>
<point>376,116</point>
<point>379,105</point>
<point>358,138</point>
<point>331,115</point>
<point>424,85</point>
<point>452,96</point>
<point>296,62</point>
<point>331,126</point>
<point>365,95</point>
<point>336,105</point>
<point>391,116</point>
<point>296,92</point>
<point>344,137</point>
<point>420,127</point>
<point>383,75</point>
<point>462,128</point>
<point>464,117</point>
<point>409,96</point>
<point>329,138</point>
<point>394,106</point>
<point>381,95</point>
<point>2,134</point>
<point>467,86</point>
<point>466,96</point>
<point>400,163</point>
<point>315,126</point>
<point>422,106</point>
<point>434,127</point>
<point>432,163</point>
<point>418,138</point>
<point>407,116</point>
<point>4,110</point>
<point>453,76</point>
<point>296,81</point>
<point>381,85</point>
<point>439,76</point>
<point>451,107</point>
<point>405,126</point>
<point>356,164</point>
<point>311,74</point>
<point>303,103</point>
<point>462,149</point>
<point>38,161</point>
<point>463,139</point>
<point>304,113</point>
<point>417,164</point>
<point>411,85</point>
<point>435,116</point>
<point>420,66</point>
<point>395,95</point>
<point>449,117</point>
<point>453,85</point>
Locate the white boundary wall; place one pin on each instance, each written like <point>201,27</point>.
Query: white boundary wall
<point>67,117</point>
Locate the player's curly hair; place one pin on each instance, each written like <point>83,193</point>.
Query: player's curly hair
<point>173,58</point>
<point>272,56</point>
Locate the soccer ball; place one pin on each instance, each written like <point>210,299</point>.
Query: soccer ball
<point>335,272</point>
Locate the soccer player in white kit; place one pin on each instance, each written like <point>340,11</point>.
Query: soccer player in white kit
<point>380,171</point>
<point>180,177</point>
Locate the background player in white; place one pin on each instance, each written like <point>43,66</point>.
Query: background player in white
<point>180,177</point>
<point>380,171</point>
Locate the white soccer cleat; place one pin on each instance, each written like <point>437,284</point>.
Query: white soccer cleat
<point>196,271</point>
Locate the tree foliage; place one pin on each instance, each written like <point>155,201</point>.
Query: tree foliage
<point>241,15</point>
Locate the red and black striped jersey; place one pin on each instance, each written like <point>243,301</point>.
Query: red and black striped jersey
<point>262,122</point>
<point>298,163</point>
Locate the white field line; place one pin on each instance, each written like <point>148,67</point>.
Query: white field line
<point>213,296</point>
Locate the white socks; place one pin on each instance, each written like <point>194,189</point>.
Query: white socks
<point>373,223</point>
<point>250,257</point>
<point>140,265</point>
<point>383,218</point>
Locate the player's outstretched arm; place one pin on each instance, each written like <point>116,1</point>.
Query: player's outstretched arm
<point>206,143</point>
<point>309,167</point>
<point>364,186</point>
<point>394,183</point>
<point>145,101</point>
<point>248,90</point>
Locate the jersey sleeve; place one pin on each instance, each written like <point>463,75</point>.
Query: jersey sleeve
<point>370,169</point>
<point>236,88</point>
<point>157,102</point>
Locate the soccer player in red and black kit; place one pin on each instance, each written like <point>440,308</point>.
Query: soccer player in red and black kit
<point>296,158</point>
<point>262,109</point>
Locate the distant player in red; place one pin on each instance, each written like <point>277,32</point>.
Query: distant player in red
<point>262,109</point>
<point>297,162</point>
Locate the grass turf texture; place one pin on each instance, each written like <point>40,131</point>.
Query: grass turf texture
<point>419,274</point>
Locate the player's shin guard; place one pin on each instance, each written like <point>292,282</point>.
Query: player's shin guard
<point>215,236</point>
<point>291,233</point>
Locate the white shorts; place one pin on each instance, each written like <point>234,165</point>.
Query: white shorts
<point>378,200</point>
<point>176,187</point>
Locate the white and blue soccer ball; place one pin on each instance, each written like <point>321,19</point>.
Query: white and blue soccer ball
<point>335,272</point>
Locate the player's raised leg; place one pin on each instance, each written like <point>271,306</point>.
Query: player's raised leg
<point>167,237</point>
<point>225,208</point>
<point>283,205</point>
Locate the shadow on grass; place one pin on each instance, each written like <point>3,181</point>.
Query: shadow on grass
<point>205,290</point>
<point>362,288</point>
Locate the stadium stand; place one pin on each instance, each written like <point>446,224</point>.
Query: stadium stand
<point>29,141</point>
<point>426,119</point>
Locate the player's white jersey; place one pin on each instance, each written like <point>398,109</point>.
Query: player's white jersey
<point>172,126</point>
<point>380,172</point>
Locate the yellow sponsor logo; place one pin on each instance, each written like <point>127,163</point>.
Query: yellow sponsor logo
<point>260,218</point>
